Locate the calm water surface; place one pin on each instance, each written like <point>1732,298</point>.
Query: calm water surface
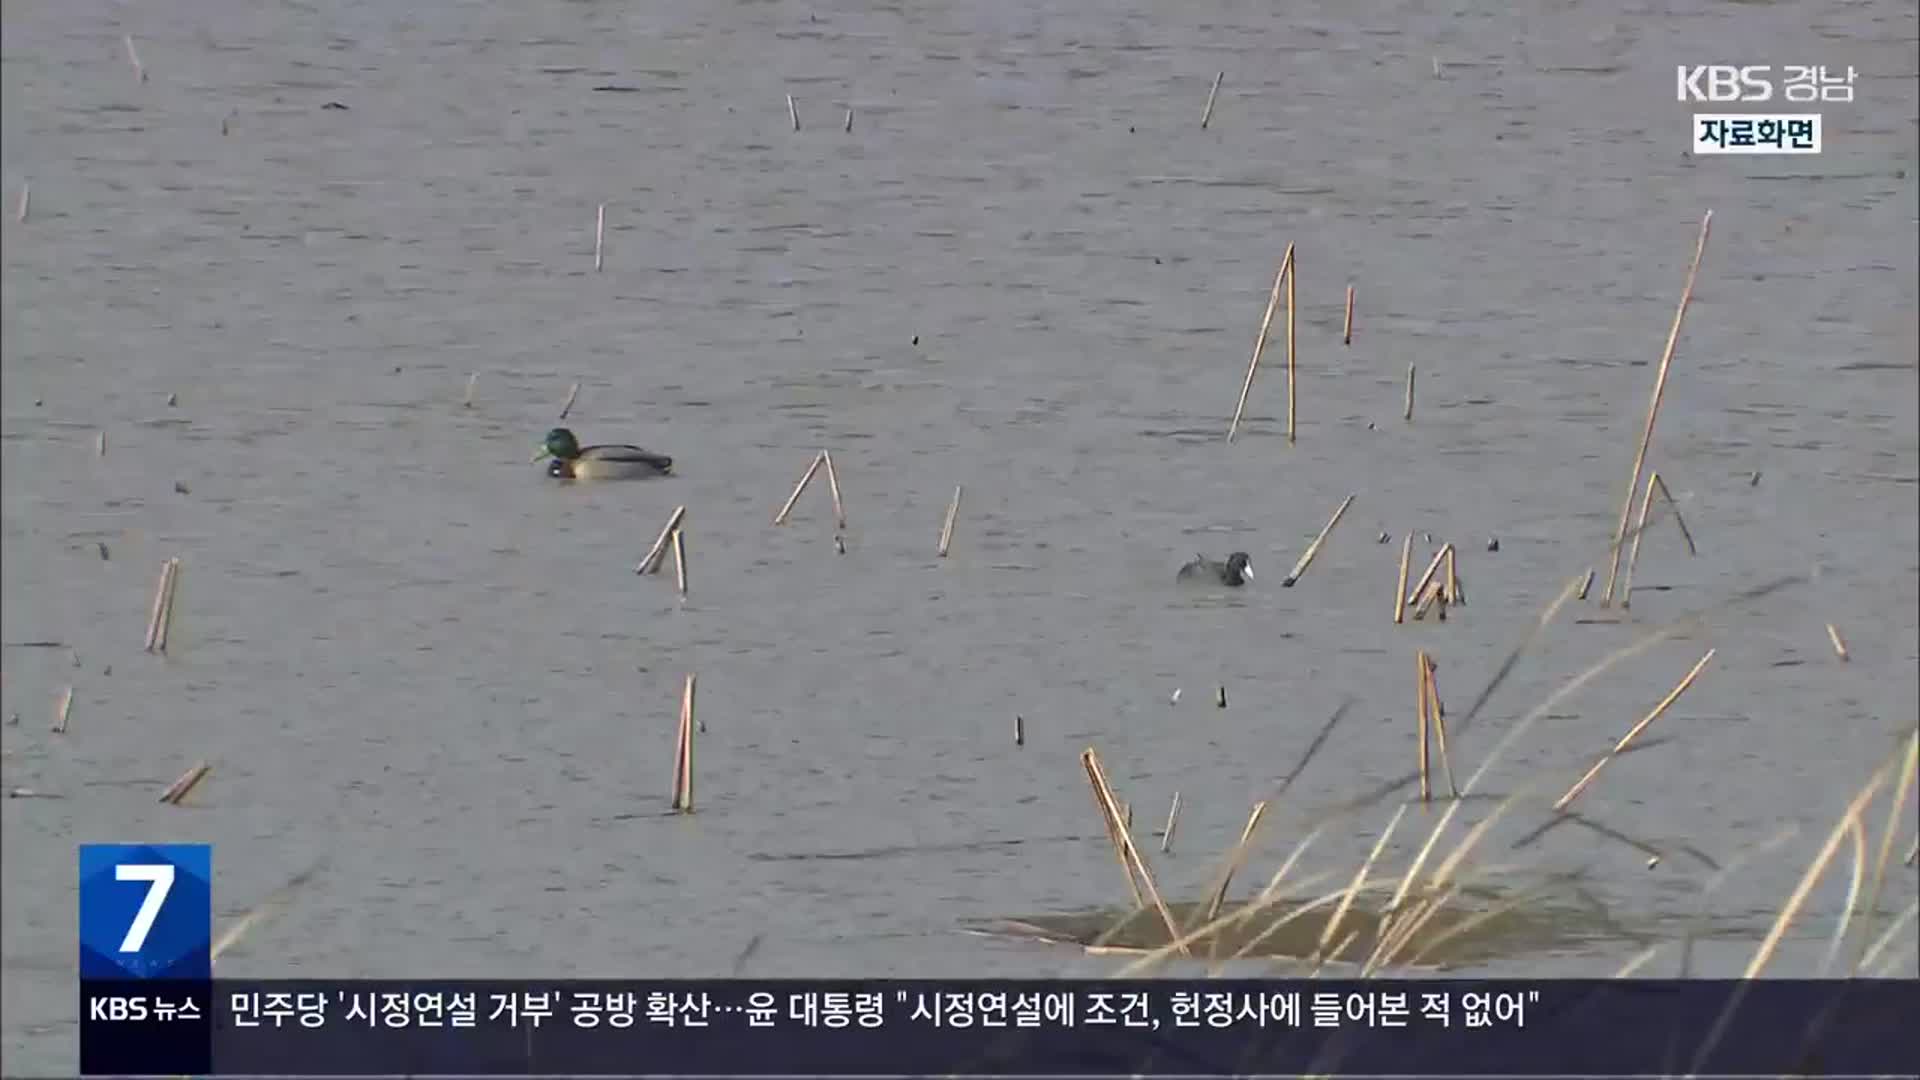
<point>410,656</point>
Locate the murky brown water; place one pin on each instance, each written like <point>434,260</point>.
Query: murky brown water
<point>410,655</point>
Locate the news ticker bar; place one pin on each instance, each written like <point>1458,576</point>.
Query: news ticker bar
<point>987,1028</point>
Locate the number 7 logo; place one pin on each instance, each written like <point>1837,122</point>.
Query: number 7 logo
<point>160,879</point>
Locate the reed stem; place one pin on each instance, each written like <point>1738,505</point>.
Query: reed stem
<point>571,395</point>
<point>1653,407</point>
<point>1173,819</point>
<point>599,235</point>
<point>1420,710</point>
<point>1313,549</point>
<point>1633,549</point>
<point>1674,505</point>
<point>1408,414</point>
<point>159,606</point>
<point>1293,275</point>
<point>1626,740</point>
<point>680,562</point>
<point>177,792</point>
<point>1219,895</point>
<point>1129,855</point>
<point>833,485</point>
<point>1206,117</point>
<point>1437,715</point>
<point>1346,327</point>
<point>683,751</point>
<point>1400,590</point>
<point>658,551</point>
<point>946,529</point>
<point>1260,341</point>
<point>781,517</point>
<point>1839,645</point>
<point>793,112</point>
<point>1426,578</point>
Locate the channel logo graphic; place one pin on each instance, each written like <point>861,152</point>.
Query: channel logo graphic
<point>146,911</point>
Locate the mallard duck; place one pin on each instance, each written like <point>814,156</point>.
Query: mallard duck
<point>1235,572</point>
<point>610,461</point>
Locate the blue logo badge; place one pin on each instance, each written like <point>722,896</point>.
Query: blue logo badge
<point>146,911</point>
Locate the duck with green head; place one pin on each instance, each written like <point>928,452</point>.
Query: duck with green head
<point>609,461</point>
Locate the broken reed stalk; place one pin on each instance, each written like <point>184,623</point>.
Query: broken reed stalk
<point>1634,733</point>
<point>1633,549</point>
<point>1439,560</point>
<point>472,380</point>
<point>833,485</point>
<point>1313,549</point>
<point>599,235</point>
<point>1408,414</point>
<point>1293,274</point>
<point>1653,407</point>
<point>1400,590</point>
<point>680,562</point>
<point>1260,341</point>
<point>166,617</point>
<point>133,57</point>
<point>1019,731</point>
<point>849,120</point>
<point>1586,584</point>
<point>1173,819</point>
<point>1673,504</point>
<point>659,549</point>
<point>572,394</point>
<point>1426,598</point>
<point>946,530</point>
<point>683,752</point>
<point>62,711</point>
<point>1453,578</point>
<point>793,112</point>
<point>1219,895</point>
<point>1206,117</point>
<point>20,213</point>
<point>1420,708</point>
<point>161,620</point>
<point>781,517</point>
<point>1346,329</point>
<point>1839,646</point>
<point>1437,715</point>
<point>177,793</point>
<point>100,443</point>
<point>1109,816</point>
<point>1123,842</point>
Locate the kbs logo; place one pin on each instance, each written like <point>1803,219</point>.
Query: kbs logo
<point>117,1008</point>
<point>1725,83</point>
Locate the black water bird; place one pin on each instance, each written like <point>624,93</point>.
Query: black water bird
<point>1235,572</point>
